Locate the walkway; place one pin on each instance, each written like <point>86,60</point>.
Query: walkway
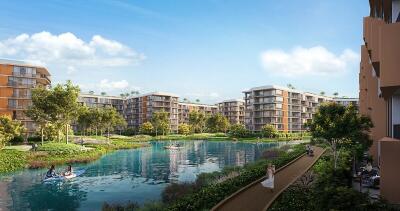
<point>255,197</point>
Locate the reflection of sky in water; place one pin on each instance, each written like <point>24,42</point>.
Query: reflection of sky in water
<point>128,175</point>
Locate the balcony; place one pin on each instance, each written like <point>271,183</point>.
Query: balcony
<point>390,62</point>
<point>372,36</point>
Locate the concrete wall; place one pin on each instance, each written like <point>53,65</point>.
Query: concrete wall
<point>390,169</point>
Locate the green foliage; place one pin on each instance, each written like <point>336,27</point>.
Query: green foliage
<point>9,129</point>
<point>184,129</point>
<point>296,197</point>
<point>130,206</point>
<point>217,123</point>
<point>146,128</point>
<point>197,121</point>
<point>11,160</point>
<point>60,148</point>
<point>269,131</point>
<point>160,121</point>
<point>238,131</point>
<point>341,127</point>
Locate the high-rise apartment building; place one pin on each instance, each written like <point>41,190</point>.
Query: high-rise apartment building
<point>98,101</point>
<point>379,80</point>
<point>233,110</point>
<point>286,109</point>
<point>140,109</point>
<point>17,79</point>
<point>346,101</point>
<point>184,108</point>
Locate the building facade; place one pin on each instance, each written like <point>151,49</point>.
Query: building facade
<point>233,110</point>
<point>17,79</point>
<point>140,109</point>
<point>379,82</point>
<point>286,109</point>
<point>101,101</point>
<point>184,108</point>
<point>346,101</point>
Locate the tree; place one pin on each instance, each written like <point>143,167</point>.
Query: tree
<point>197,100</point>
<point>185,99</point>
<point>146,128</point>
<point>91,92</point>
<point>9,129</point>
<point>184,129</point>
<point>341,127</point>
<point>42,109</point>
<point>335,94</point>
<point>290,86</point>
<point>269,131</point>
<point>238,130</point>
<point>322,93</point>
<point>103,93</point>
<point>110,118</point>
<point>64,99</point>
<point>160,121</point>
<point>217,123</point>
<point>197,121</point>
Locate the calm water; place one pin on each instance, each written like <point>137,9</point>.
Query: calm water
<point>135,175</point>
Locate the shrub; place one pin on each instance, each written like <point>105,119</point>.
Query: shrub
<point>130,206</point>
<point>17,140</point>
<point>59,148</point>
<point>238,131</point>
<point>11,160</point>
<point>34,139</point>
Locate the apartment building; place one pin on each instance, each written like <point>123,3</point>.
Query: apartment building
<point>286,109</point>
<point>98,101</point>
<point>184,108</point>
<point>17,79</point>
<point>379,82</point>
<point>346,101</point>
<point>233,110</point>
<point>139,109</point>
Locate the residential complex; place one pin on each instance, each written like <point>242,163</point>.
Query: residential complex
<point>139,109</point>
<point>286,109</point>
<point>233,110</point>
<point>380,90</point>
<point>17,79</point>
<point>92,100</point>
<point>346,101</point>
<point>184,108</point>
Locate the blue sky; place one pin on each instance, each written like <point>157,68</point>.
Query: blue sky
<point>208,49</point>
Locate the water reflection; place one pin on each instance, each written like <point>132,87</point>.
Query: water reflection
<point>127,175</point>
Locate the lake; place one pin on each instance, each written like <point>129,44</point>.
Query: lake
<point>136,175</point>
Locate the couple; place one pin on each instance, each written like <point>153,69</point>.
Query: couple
<point>52,173</point>
<point>269,182</point>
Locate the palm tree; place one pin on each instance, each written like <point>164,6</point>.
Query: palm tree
<point>185,99</point>
<point>91,92</point>
<point>322,93</point>
<point>103,93</point>
<point>335,94</point>
<point>290,86</point>
<point>197,100</point>
<point>122,95</point>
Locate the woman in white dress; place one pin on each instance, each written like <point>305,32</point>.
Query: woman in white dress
<point>269,182</point>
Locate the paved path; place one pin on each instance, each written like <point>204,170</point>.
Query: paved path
<point>255,197</point>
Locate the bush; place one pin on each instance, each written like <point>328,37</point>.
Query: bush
<point>238,131</point>
<point>34,139</point>
<point>17,140</point>
<point>60,148</point>
<point>117,207</point>
<point>296,197</point>
<point>11,160</point>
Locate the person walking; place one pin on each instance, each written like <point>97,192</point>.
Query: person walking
<point>269,182</point>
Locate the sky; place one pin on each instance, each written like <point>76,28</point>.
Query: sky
<point>209,50</point>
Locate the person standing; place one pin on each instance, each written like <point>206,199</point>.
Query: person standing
<point>269,182</point>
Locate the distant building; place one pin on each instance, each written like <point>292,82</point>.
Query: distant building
<point>17,79</point>
<point>99,101</point>
<point>233,110</point>
<point>286,109</point>
<point>140,109</point>
<point>346,101</point>
<point>379,80</point>
<point>184,108</point>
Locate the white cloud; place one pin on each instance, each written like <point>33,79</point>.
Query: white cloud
<point>113,85</point>
<point>67,49</point>
<point>71,70</point>
<point>308,61</point>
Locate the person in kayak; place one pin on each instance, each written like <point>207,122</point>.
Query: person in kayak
<point>68,171</point>
<point>51,172</point>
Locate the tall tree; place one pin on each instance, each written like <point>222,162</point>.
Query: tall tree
<point>64,98</point>
<point>197,121</point>
<point>161,122</point>
<point>335,94</point>
<point>103,93</point>
<point>111,119</point>
<point>322,93</point>
<point>42,109</point>
<point>9,129</point>
<point>217,123</point>
<point>341,127</point>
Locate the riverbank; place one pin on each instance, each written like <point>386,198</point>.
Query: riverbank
<point>54,153</point>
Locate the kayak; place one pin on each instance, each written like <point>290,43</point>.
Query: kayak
<point>60,177</point>
<point>172,147</point>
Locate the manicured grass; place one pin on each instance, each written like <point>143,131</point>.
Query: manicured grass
<point>12,160</point>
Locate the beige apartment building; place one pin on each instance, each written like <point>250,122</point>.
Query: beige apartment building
<point>346,101</point>
<point>379,80</point>
<point>184,108</point>
<point>286,109</point>
<point>98,101</point>
<point>233,110</point>
<point>17,79</point>
<point>139,109</point>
